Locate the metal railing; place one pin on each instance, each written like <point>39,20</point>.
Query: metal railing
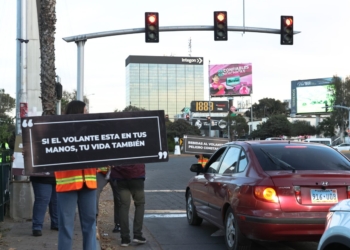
<point>5,177</point>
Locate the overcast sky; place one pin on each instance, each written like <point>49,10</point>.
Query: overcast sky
<point>322,48</point>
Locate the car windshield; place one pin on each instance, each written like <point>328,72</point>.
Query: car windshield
<point>300,157</point>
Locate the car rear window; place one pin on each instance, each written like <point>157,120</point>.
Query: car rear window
<point>299,157</point>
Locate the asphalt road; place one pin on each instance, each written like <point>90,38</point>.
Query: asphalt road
<point>165,215</point>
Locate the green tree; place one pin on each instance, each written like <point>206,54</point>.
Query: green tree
<point>326,127</point>
<point>268,107</point>
<point>47,27</point>
<point>239,127</point>
<point>300,127</point>
<point>275,126</point>
<point>7,103</point>
<point>131,108</point>
<point>341,94</point>
<point>7,125</point>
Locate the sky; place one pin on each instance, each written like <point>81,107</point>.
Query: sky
<point>320,50</point>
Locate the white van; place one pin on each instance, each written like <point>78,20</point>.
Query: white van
<point>325,141</point>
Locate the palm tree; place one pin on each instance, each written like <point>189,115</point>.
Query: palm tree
<point>47,27</point>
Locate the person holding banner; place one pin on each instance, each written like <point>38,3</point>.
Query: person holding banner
<point>76,187</point>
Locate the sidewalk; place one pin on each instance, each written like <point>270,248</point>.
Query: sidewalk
<point>18,235</point>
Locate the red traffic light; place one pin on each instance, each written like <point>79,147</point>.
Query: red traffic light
<point>221,17</point>
<point>288,21</point>
<point>152,18</point>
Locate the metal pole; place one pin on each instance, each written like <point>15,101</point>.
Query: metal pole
<point>251,114</point>
<point>80,71</point>
<point>18,66</point>
<point>209,99</point>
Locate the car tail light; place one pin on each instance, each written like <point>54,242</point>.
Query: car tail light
<point>266,194</point>
<point>297,192</point>
<point>348,192</point>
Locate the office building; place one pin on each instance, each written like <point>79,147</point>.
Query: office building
<point>163,82</point>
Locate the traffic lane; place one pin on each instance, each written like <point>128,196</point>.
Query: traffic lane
<point>165,196</point>
<point>175,233</point>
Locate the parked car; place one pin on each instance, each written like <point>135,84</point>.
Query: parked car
<point>274,138</point>
<point>336,235</point>
<point>268,190</point>
<point>343,146</point>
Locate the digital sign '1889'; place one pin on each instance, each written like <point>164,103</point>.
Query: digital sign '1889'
<point>206,106</point>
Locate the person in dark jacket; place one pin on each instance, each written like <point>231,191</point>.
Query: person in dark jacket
<point>130,183</point>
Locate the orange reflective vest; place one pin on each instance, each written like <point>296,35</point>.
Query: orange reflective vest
<point>70,180</point>
<point>103,170</point>
<point>202,160</point>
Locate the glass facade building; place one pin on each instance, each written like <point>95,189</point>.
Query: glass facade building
<point>164,83</point>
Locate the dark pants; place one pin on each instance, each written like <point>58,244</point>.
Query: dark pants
<point>135,189</point>
<point>101,183</point>
<point>45,195</point>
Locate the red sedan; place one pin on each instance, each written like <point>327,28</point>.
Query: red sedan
<point>268,190</point>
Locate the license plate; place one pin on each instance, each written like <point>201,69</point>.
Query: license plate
<point>324,196</point>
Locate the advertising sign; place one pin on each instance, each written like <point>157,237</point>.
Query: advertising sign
<point>230,79</point>
<point>202,145</point>
<point>216,123</point>
<point>53,143</point>
<point>206,106</point>
<point>311,96</point>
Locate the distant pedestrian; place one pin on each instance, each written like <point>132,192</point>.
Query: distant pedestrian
<point>76,187</point>
<point>130,179</point>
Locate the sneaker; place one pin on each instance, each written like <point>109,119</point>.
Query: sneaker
<point>37,233</point>
<point>97,233</point>
<point>125,242</point>
<point>116,229</point>
<point>139,239</point>
<point>54,228</point>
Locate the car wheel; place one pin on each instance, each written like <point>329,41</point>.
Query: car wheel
<point>192,217</point>
<point>234,239</point>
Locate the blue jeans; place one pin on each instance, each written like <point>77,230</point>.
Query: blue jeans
<point>67,203</point>
<point>45,195</point>
<point>131,188</point>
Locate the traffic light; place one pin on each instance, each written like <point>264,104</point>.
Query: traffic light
<point>287,23</point>
<point>151,27</point>
<point>187,117</point>
<point>208,118</point>
<point>326,107</point>
<point>220,25</point>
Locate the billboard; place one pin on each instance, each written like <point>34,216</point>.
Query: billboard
<point>202,145</point>
<point>230,79</point>
<point>310,96</point>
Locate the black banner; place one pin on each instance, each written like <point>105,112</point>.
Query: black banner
<point>53,143</point>
<point>202,145</point>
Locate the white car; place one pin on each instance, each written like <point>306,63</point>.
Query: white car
<point>343,146</point>
<point>336,235</point>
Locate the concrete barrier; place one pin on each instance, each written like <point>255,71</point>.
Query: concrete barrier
<point>21,200</point>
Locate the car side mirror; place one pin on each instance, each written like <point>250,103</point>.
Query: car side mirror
<point>197,168</point>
